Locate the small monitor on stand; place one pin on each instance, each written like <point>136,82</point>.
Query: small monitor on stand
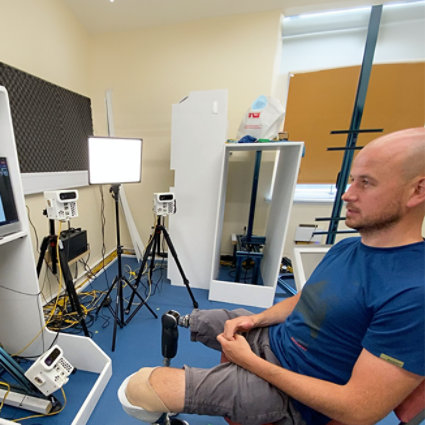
<point>9,219</point>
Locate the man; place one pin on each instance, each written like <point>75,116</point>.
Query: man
<point>350,346</point>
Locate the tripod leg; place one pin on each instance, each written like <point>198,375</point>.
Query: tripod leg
<point>174,254</point>
<point>156,244</point>
<point>148,251</point>
<point>119,305</point>
<point>118,309</point>
<point>75,302</point>
<point>114,312</point>
<point>140,305</point>
<point>105,302</point>
<point>53,239</point>
<point>43,249</point>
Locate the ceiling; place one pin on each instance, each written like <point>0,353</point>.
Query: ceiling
<point>99,16</point>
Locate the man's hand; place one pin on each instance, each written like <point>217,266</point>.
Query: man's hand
<point>238,324</point>
<point>236,349</point>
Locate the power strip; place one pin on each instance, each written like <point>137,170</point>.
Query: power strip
<point>27,402</point>
<point>7,422</point>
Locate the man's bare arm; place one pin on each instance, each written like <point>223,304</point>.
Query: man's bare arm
<point>275,314</point>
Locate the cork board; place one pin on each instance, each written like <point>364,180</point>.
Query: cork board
<point>322,101</point>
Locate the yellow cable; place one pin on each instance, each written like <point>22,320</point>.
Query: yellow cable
<point>7,393</point>
<point>67,318</point>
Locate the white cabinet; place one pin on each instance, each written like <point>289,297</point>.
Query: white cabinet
<point>260,295</point>
<point>200,158</point>
<point>22,325</point>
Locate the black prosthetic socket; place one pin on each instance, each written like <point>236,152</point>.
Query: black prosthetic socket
<point>170,335</point>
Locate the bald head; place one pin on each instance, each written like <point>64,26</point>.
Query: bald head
<point>386,197</point>
<point>404,148</point>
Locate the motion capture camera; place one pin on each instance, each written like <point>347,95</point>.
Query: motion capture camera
<point>61,204</point>
<point>50,371</point>
<point>164,203</point>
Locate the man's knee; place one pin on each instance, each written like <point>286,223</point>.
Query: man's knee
<point>139,399</point>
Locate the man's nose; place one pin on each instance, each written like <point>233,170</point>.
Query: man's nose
<point>348,194</point>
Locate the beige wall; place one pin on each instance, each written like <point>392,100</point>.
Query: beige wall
<point>43,39</point>
<point>147,71</point>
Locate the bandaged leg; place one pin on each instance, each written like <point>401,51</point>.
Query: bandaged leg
<point>149,407</point>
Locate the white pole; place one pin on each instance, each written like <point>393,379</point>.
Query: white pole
<point>131,225</point>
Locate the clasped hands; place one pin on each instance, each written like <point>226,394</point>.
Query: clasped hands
<point>234,345</point>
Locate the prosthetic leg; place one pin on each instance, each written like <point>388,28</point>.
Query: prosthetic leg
<point>155,408</point>
<point>170,333</point>
<point>170,336</point>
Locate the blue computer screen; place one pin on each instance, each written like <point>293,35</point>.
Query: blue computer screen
<point>8,213</point>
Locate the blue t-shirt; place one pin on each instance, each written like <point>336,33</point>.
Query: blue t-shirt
<point>357,297</point>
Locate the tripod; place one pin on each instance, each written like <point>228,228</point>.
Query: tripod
<point>120,280</point>
<point>50,241</point>
<point>153,244</point>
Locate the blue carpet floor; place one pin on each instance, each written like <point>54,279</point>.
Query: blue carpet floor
<point>137,344</point>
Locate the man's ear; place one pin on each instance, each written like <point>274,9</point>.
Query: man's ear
<point>418,193</point>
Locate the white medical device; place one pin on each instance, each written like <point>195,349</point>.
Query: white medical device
<point>164,203</point>
<point>50,371</point>
<point>61,204</point>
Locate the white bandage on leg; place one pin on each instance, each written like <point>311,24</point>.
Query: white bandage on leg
<point>152,406</point>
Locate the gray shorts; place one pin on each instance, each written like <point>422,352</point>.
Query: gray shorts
<point>229,390</point>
